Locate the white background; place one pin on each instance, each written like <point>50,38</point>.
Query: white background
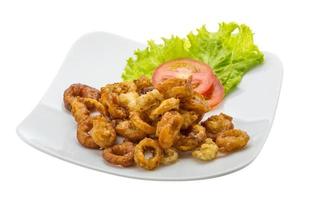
<point>35,36</point>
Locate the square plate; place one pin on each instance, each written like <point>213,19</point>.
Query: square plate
<point>99,58</point>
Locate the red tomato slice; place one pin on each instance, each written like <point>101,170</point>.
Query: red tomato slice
<point>215,94</point>
<point>202,75</point>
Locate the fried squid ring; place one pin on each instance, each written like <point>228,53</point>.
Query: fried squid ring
<point>177,88</point>
<point>137,121</point>
<point>120,154</point>
<point>119,88</point>
<point>207,151</point>
<point>111,101</point>
<point>232,140</point>
<point>168,129</point>
<point>216,124</point>
<point>197,103</point>
<point>148,100</point>
<point>128,100</point>
<point>79,90</point>
<point>192,140</point>
<point>94,105</point>
<point>189,118</point>
<point>79,110</point>
<point>127,130</point>
<point>110,97</point>
<point>143,85</point>
<point>140,149</point>
<point>169,156</point>
<point>146,90</point>
<point>82,108</point>
<point>103,132</point>
<point>83,135</point>
<point>165,106</point>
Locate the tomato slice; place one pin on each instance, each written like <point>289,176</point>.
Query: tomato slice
<point>215,94</point>
<point>206,83</point>
<point>201,73</point>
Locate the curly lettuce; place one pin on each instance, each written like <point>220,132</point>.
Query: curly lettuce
<point>230,52</point>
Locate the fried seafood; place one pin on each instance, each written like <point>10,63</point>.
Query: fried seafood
<point>232,140</point>
<point>169,156</point>
<point>103,132</point>
<point>148,100</point>
<point>139,123</point>
<point>110,98</point>
<point>216,124</point>
<point>168,129</point>
<point>189,118</point>
<point>144,146</point>
<point>207,151</point>
<point>192,139</point>
<point>79,110</point>
<point>120,154</point>
<point>94,106</point>
<point>196,103</point>
<point>119,88</point>
<point>177,88</point>
<point>156,124</point>
<point>79,90</point>
<point>143,85</point>
<point>165,106</point>
<point>127,130</point>
<point>111,101</point>
<point>83,134</point>
<point>82,108</point>
<point>128,100</point>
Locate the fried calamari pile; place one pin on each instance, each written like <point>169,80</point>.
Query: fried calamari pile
<point>156,124</point>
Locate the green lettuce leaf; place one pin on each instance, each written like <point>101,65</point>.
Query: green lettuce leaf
<point>230,52</point>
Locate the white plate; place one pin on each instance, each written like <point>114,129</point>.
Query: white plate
<point>99,58</point>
